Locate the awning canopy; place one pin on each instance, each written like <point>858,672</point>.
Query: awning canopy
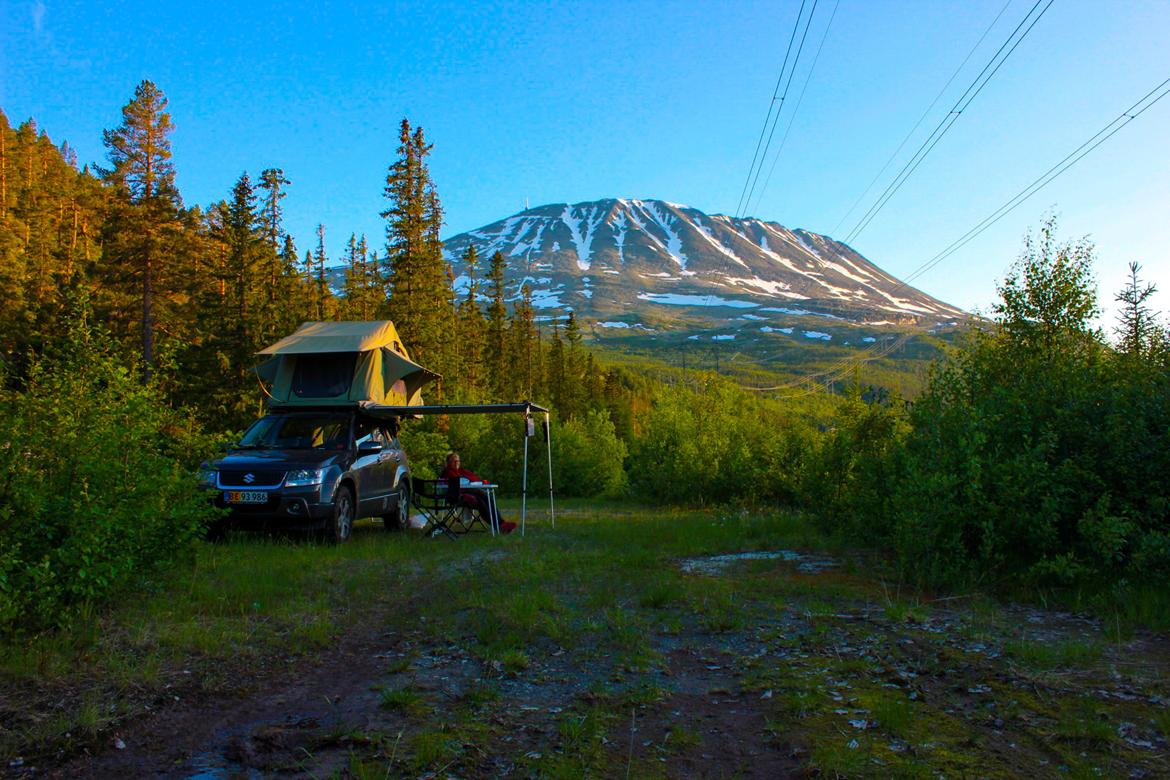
<point>522,407</point>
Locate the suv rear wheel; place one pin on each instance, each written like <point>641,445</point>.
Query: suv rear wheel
<point>340,524</point>
<point>399,519</point>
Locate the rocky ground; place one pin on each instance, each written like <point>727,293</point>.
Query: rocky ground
<point>643,663</point>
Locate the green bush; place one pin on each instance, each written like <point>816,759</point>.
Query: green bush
<point>588,457</point>
<point>853,469</point>
<point>716,443</point>
<point>1038,454</point>
<point>98,484</point>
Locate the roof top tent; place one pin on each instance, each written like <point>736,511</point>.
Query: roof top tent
<point>342,363</point>
<point>364,364</point>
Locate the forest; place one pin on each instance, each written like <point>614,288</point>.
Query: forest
<point>1035,457</point>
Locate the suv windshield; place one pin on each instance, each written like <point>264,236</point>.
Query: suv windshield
<point>305,431</point>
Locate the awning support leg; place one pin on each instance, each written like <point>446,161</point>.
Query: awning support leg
<point>524,483</point>
<point>552,511</point>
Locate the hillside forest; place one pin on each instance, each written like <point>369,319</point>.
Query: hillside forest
<point>1034,457</point>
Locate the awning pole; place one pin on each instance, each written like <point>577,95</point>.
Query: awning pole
<point>552,511</point>
<point>524,484</point>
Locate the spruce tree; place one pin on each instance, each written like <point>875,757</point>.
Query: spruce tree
<point>242,237</point>
<point>523,347</point>
<point>271,218</point>
<point>1137,328</point>
<point>420,297</point>
<point>495,346</point>
<point>320,286</point>
<point>471,328</point>
<point>144,178</point>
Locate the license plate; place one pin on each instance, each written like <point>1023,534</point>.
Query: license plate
<point>246,497</point>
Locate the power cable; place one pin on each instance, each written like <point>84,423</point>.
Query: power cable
<point>776,117</point>
<point>1042,181</point>
<point>922,118</point>
<point>799,100</point>
<point>961,105</point>
<point>775,97</point>
<point>1071,159</point>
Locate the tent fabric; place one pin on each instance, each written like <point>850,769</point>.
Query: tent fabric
<point>354,336</point>
<point>363,362</point>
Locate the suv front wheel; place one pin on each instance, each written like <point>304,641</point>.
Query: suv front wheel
<point>340,523</point>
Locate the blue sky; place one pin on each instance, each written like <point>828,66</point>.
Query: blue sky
<point>555,102</point>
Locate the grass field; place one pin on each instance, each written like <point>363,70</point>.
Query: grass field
<point>626,642</point>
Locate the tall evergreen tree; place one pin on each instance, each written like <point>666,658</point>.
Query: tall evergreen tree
<point>495,346</point>
<point>420,300</point>
<point>271,218</point>
<point>471,328</point>
<point>242,238</point>
<point>523,347</point>
<point>320,286</point>
<point>1137,328</point>
<point>139,151</point>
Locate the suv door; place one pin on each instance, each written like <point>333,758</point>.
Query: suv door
<point>373,472</point>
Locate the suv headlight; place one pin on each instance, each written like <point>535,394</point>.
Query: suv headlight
<point>207,477</point>
<point>304,478</point>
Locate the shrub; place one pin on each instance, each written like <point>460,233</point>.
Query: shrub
<point>853,468</point>
<point>714,444</point>
<point>98,484</point>
<point>1037,453</point>
<point>588,457</point>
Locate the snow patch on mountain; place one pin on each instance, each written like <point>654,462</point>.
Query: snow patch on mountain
<point>673,299</point>
<point>637,252</point>
<point>582,238</point>
<point>665,221</point>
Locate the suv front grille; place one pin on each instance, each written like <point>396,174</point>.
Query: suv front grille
<point>259,478</point>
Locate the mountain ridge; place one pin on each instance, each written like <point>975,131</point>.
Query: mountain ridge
<point>620,256</point>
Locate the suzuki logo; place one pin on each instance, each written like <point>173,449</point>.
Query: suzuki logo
<point>249,478</point>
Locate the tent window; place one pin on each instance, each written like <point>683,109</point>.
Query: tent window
<point>327,375</point>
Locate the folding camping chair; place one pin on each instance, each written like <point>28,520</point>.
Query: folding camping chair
<point>447,508</point>
<point>430,497</point>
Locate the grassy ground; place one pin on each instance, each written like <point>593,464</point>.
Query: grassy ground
<point>616,645</point>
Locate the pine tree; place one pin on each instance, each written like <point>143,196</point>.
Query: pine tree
<point>420,300</point>
<point>1137,328</point>
<point>271,218</point>
<point>523,347</point>
<point>320,287</point>
<point>242,237</point>
<point>471,328</point>
<point>495,346</point>
<point>144,178</point>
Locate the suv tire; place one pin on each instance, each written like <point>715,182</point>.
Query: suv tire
<point>399,519</point>
<point>340,524</point>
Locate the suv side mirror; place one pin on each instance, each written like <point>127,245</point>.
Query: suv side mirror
<point>369,447</point>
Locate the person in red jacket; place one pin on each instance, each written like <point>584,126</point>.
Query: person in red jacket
<point>469,495</point>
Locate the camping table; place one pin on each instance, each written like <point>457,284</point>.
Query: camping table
<point>489,489</point>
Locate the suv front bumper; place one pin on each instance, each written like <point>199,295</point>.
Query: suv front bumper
<point>291,508</point>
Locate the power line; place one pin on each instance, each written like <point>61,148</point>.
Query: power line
<point>1042,181</point>
<point>1101,136</point>
<point>799,100</point>
<point>922,118</point>
<point>776,97</point>
<point>776,118</point>
<point>961,105</point>
<point>771,103</point>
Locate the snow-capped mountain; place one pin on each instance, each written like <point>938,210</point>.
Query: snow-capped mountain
<point>609,258</point>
